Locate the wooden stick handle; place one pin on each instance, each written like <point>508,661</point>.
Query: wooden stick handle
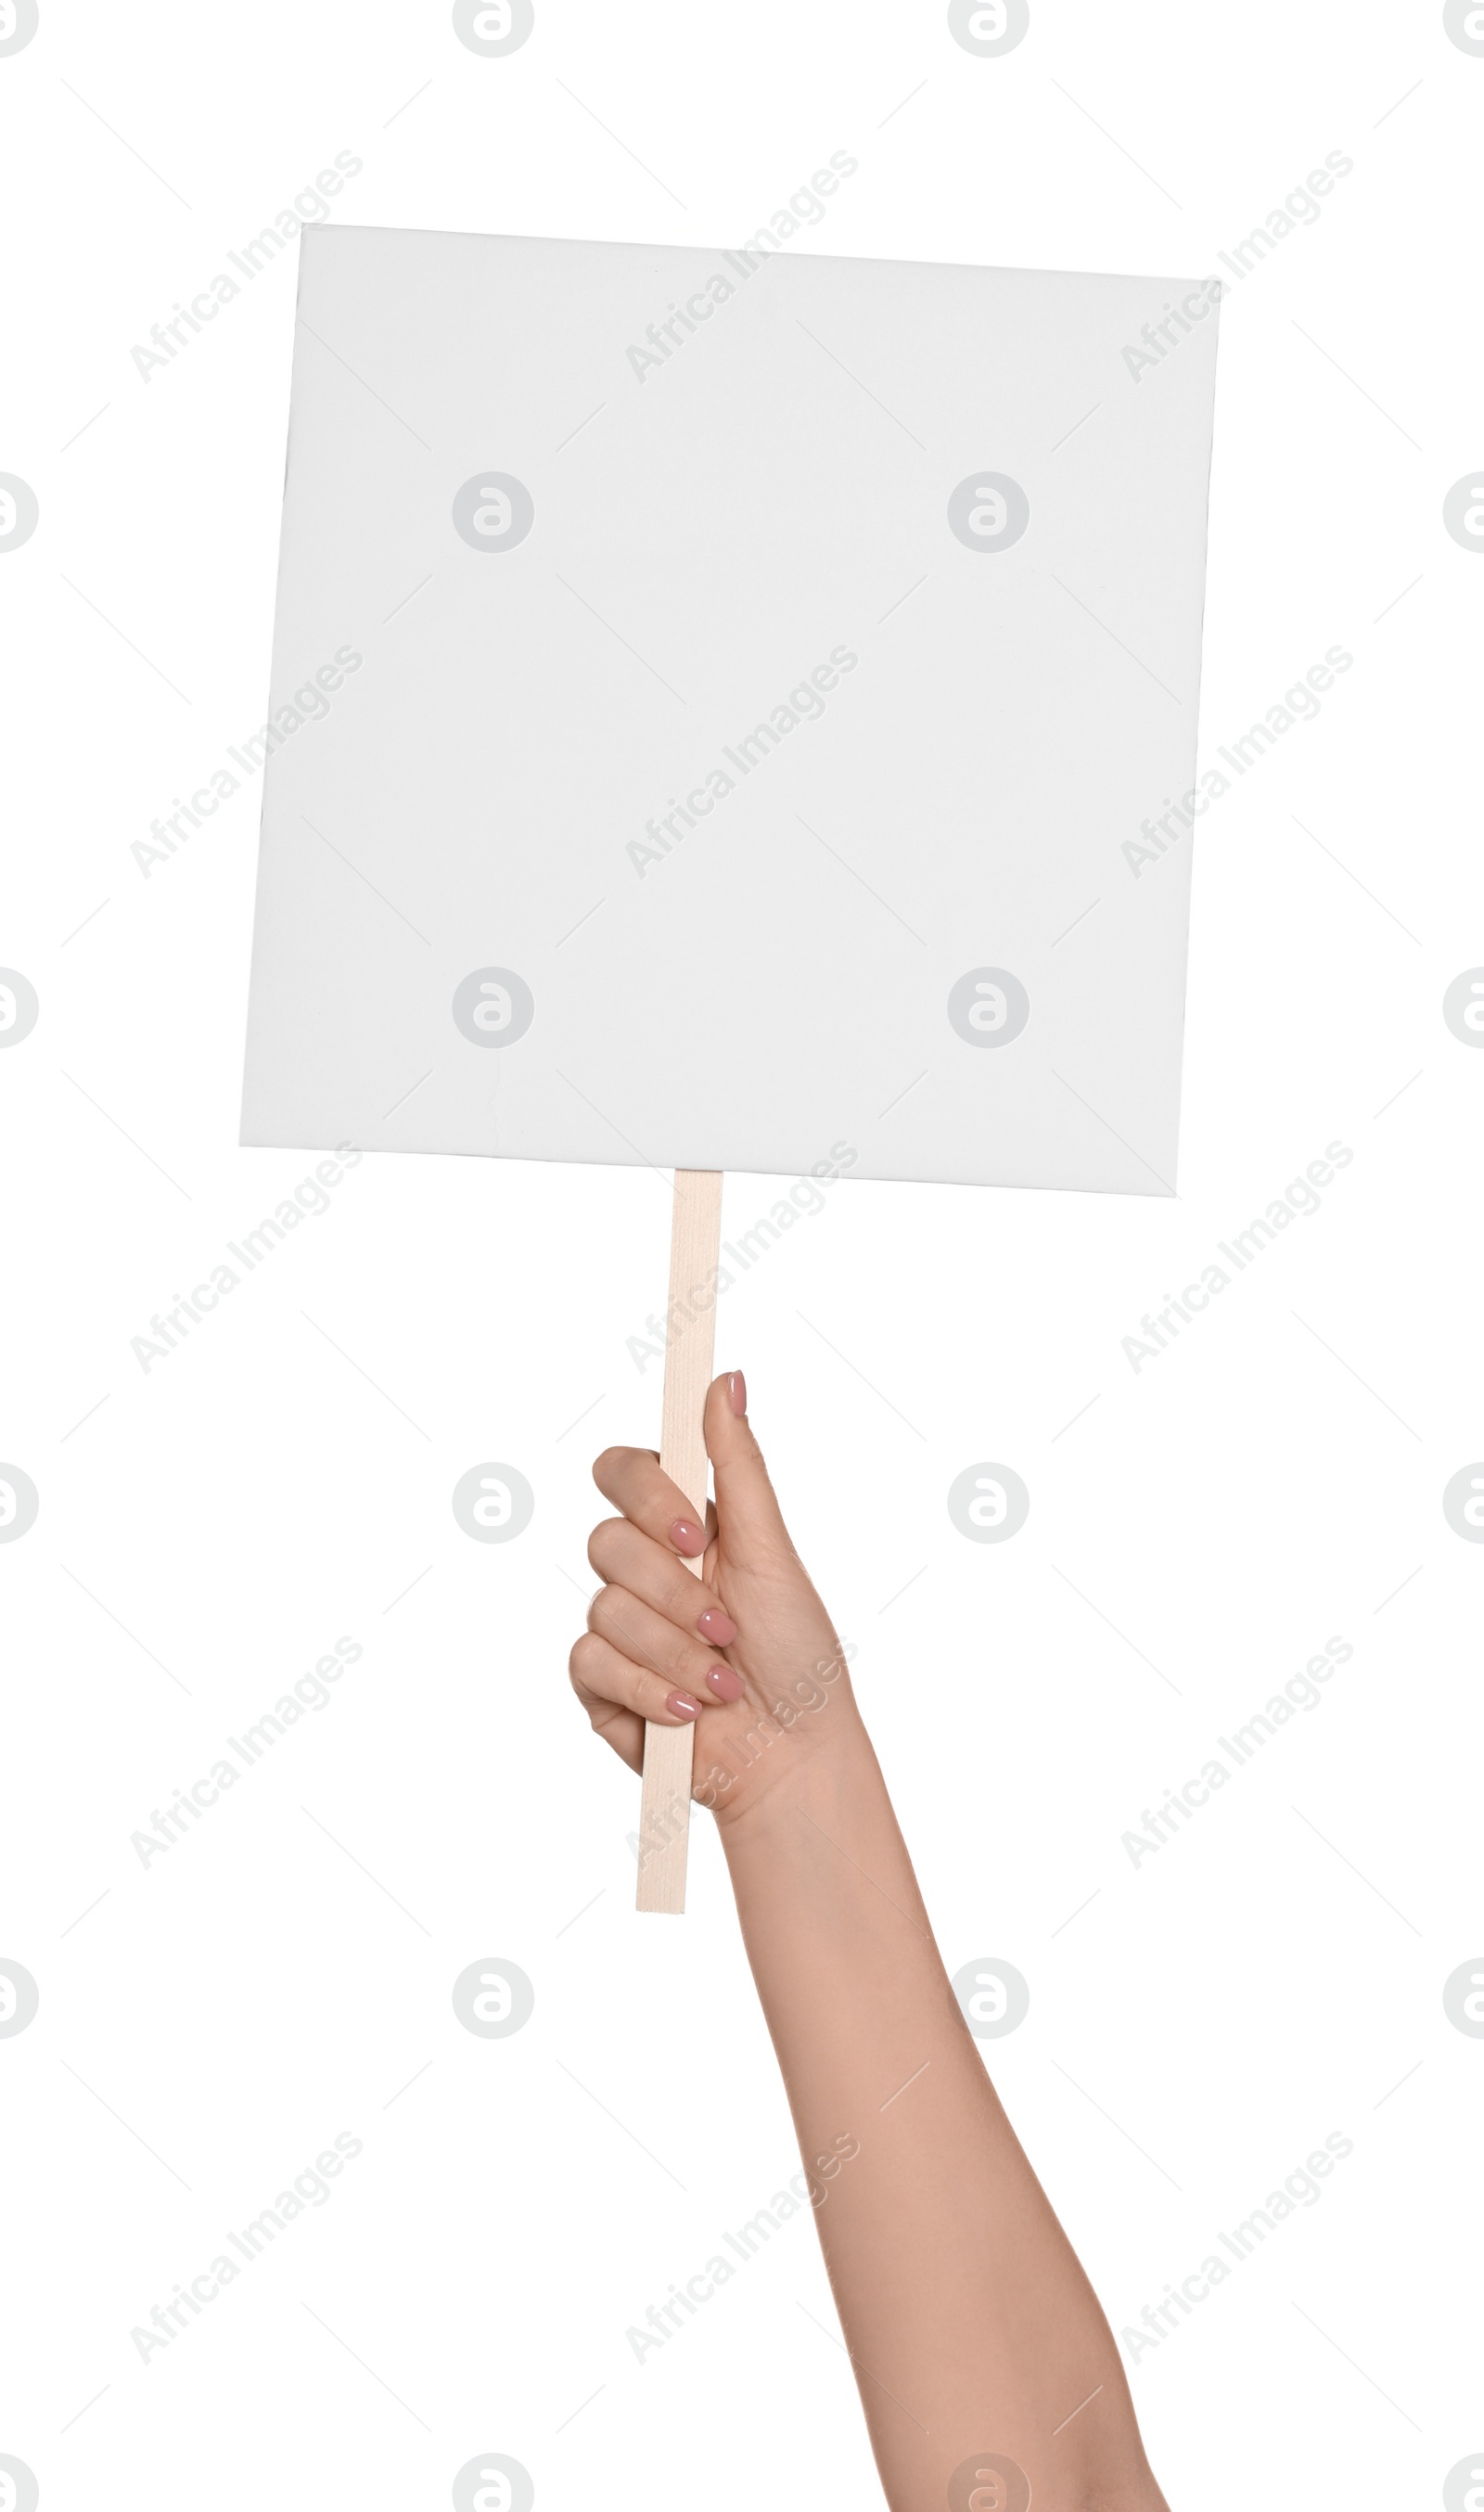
<point>695,1247</point>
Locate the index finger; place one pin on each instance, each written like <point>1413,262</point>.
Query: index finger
<point>636,1483</point>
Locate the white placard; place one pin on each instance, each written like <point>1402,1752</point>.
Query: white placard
<point>724,707</point>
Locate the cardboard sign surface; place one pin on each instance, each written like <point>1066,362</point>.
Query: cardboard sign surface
<point>712,697</point>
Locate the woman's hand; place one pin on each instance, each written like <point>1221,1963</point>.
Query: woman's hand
<point>745,1653</point>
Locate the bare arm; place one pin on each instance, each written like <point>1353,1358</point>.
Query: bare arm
<point>987,2371</point>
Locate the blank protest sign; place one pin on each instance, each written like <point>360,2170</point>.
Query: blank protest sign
<point>757,667</point>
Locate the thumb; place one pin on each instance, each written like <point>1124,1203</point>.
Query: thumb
<point>748,1515</point>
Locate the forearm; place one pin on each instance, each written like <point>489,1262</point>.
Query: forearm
<point>970,2323</point>
<point>977,2340</point>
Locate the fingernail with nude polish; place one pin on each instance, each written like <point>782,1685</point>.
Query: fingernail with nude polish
<point>725,1683</point>
<point>736,1388</point>
<point>681,1706</point>
<point>717,1627</point>
<point>686,1536</point>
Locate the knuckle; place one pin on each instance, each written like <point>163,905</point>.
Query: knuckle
<point>604,1543</point>
<point>605,1608</point>
<point>679,1655</point>
<point>586,1657</point>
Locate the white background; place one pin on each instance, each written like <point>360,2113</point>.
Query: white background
<point>1197,1529</point>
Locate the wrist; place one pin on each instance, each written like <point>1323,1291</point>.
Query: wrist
<point>781,1774</point>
